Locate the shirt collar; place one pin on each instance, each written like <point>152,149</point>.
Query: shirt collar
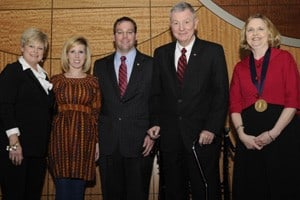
<point>40,71</point>
<point>129,55</point>
<point>188,47</point>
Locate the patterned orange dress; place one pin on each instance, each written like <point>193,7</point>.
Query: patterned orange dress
<point>75,130</point>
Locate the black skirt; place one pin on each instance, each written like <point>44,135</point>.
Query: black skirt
<point>272,173</point>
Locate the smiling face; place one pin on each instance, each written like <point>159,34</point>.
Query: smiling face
<point>77,56</point>
<point>183,26</point>
<point>124,36</point>
<point>257,34</point>
<point>33,52</point>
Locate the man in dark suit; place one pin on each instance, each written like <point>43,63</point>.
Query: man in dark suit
<point>125,80</point>
<point>189,103</point>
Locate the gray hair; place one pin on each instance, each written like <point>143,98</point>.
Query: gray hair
<point>181,6</point>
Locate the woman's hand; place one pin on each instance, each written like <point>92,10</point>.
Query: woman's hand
<point>264,139</point>
<point>15,150</point>
<point>16,154</point>
<point>249,141</point>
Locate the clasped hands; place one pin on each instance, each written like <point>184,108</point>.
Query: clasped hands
<point>256,142</point>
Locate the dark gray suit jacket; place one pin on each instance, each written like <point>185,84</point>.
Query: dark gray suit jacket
<point>123,122</point>
<point>202,102</point>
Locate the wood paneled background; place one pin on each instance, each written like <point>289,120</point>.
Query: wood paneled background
<point>94,19</point>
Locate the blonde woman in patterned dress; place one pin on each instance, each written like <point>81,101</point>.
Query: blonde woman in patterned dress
<point>74,144</point>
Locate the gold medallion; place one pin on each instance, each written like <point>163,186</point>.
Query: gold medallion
<point>261,105</point>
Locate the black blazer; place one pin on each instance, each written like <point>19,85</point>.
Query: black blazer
<point>25,104</point>
<point>202,102</point>
<point>123,122</point>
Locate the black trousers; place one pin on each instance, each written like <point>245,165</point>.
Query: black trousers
<point>23,182</point>
<point>125,178</point>
<point>182,177</point>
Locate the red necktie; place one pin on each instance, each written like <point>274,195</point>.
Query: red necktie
<point>182,62</point>
<point>122,76</point>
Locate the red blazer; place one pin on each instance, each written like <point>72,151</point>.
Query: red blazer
<point>281,87</point>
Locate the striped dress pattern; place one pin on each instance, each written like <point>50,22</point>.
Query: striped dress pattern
<point>74,128</point>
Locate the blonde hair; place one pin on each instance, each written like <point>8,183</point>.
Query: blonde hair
<point>71,42</point>
<point>33,34</point>
<point>273,34</point>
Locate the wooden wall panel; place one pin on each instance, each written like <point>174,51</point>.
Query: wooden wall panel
<point>160,24</point>
<point>285,14</point>
<point>170,3</point>
<point>25,4</point>
<point>55,67</point>
<point>100,3</point>
<point>6,58</point>
<point>99,29</point>
<point>13,23</point>
<point>94,20</point>
<point>285,17</point>
<point>217,30</point>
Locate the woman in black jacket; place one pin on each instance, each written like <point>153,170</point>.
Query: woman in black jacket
<point>25,117</point>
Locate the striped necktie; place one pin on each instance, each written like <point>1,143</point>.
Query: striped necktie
<point>182,63</point>
<point>123,76</point>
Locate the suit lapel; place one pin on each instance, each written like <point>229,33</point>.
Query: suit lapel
<point>112,74</point>
<point>195,53</point>
<point>30,74</point>
<point>193,61</point>
<point>172,68</point>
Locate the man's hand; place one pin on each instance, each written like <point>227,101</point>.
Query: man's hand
<point>153,132</point>
<point>206,137</point>
<point>148,145</point>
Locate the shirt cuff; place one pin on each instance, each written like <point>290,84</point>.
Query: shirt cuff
<point>12,131</point>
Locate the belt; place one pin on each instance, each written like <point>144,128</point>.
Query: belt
<point>74,107</point>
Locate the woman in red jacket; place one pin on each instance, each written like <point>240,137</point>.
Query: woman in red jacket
<point>264,97</point>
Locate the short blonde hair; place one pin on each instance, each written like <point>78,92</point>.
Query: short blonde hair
<point>71,42</point>
<point>33,34</point>
<point>273,34</point>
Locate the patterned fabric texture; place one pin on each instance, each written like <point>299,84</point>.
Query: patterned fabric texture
<point>75,130</point>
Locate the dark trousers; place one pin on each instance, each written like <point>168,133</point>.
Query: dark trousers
<point>69,189</point>
<point>182,177</point>
<point>23,182</point>
<point>125,178</point>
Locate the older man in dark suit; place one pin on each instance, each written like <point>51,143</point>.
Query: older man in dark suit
<point>125,81</point>
<point>190,100</point>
